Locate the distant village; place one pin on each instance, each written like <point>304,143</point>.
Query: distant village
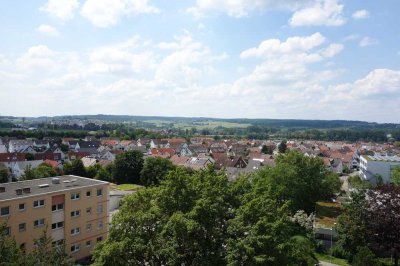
<point>232,156</point>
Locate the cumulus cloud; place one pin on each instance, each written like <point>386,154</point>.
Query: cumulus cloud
<point>322,13</point>
<point>106,13</point>
<point>360,14</point>
<point>242,8</point>
<point>291,45</point>
<point>367,41</point>
<point>332,50</point>
<point>48,30</point>
<point>62,9</point>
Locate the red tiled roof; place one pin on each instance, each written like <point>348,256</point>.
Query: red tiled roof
<point>51,162</point>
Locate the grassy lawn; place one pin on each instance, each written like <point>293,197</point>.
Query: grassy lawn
<point>356,182</point>
<point>327,212</point>
<point>125,187</point>
<point>328,258</point>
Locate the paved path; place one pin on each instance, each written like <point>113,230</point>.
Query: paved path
<point>324,263</point>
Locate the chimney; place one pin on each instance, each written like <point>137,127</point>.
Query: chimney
<point>55,180</point>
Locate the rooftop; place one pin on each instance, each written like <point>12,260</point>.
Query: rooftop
<point>46,185</point>
<point>381,158</point>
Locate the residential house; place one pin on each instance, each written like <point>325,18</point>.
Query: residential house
<point>16,145</point>
<point>18,168</point>
<point>197,163</point>
<point>179,160</point>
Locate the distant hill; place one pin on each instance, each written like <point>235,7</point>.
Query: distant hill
<point>273,123</point>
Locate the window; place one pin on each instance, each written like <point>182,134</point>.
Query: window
<point>38,203</point>
<point>75,196</point>
<point>58,225</point>
<point>57,207</point>
<point>38,223</point>
<point>88,193</point>
<point>99,208</point>
<point>22,246</point>
<point>21,207</point>
<point>89,210</point>
<point>99,192</point>
<point>88,243</point>
<point>22,227</point>
<point>99,224</point>
<point>5,211</point>
<point>88,227</point>
<point>75,231</point>
<point>75,213</point>
<point>75,248</point>
<point>100,238</point>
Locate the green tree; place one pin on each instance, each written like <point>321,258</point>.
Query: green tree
<point>64,147</point>
<point>351,225</point>
<point>365,257</point>
<point>282,147</point>
<point>29,157</point>
<point>92,170</point>
<point>104,175</point>
<point>10,254</point>
<point>200,218</point>
<point>43,170</point>
<point>127,167</point>
<point>154,170</point>
<point>4,174</point>
<point>75,168</point>
<point>267,149</point>
<point>45,254</point>
<point>300,179</point>
<point>395,178</point>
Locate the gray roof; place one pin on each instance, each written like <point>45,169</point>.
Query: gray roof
<point>67,182</point>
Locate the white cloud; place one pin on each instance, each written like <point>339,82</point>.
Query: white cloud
<point>62,9</point>
<point>291,45</point>
<point>106,13</point>
<point>242,8</point>
<point>48,30</point>
<point>360,14</point>
<point>322,13</point>
<point>367,41</point>
<point>332,50</point>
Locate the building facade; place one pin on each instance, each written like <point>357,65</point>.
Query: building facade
<point>372,166</point>
<point>69,208</point>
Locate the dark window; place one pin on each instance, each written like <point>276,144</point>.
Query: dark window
<point>22,227</point>
<point>5,211</point>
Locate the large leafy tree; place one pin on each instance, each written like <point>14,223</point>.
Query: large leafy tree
<point>127,167</point>
<point>154,170</point>
<point>200,218</point>
<point>43,170</point>
<point>75,168</point>
<point>301,180</point>
<point>4,174</point>
<point>351,225</point>
<point>9,252</point>
<point>383,227</point>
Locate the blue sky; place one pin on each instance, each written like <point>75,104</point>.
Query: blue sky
<point>311,59</point>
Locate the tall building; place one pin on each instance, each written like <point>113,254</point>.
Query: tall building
<point>70,208</point>
<point>372,166</point>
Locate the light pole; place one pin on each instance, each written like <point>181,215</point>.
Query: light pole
<point>332,240</point>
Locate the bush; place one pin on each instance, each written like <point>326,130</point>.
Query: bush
<point>339,252</point>
<point>365,257</point>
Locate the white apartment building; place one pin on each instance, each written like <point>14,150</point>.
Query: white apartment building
<point>372,166</point>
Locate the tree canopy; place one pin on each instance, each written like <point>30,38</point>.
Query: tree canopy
<point>154,170</point>
<point>127,167</point>
<point>200,218</point>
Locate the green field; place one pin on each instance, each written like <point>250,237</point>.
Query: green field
<point>198,125</point>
